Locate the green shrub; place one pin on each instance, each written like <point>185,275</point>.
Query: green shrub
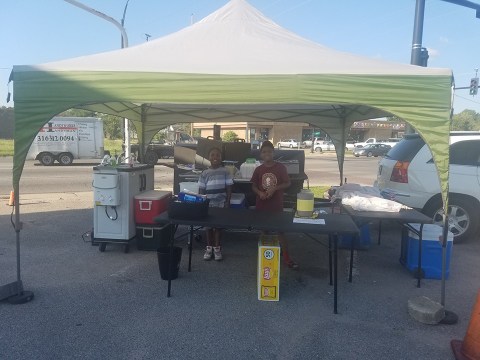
<point>6,147</point>
<point>229,136</point>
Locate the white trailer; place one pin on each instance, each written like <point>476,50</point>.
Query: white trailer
<point>63,139</point>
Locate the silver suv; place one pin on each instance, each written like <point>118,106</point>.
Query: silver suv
<point>408,175</point>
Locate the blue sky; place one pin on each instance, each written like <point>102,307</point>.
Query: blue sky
<point>34,32</point>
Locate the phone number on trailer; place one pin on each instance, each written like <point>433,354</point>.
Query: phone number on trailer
<point>55,138</point>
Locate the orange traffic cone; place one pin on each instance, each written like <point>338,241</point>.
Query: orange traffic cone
<point>11,201</point>
<point>469,348</point>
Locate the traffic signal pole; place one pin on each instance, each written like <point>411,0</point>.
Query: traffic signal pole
<point>418,52</point>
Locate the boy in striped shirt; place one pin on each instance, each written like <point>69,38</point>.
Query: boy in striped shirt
<point>215,182</point>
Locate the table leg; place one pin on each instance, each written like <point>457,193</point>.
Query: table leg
<point>330,258</point>
<point>379,231</point>
<point>351,257</point>
<point>419,270</point>
<point>190,246</point>
<point>170,261</point>
<point>335,285</point>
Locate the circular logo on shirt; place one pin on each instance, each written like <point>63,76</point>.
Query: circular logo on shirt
<point>269,180</point>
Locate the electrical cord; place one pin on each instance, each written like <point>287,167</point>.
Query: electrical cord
<point>111,217</point>
<point>87,234</point>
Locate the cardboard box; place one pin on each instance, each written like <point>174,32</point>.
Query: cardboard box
<point>268,274</point>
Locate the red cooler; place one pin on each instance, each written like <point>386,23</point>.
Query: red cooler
<point>150,204</point>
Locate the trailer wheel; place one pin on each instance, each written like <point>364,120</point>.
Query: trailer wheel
<point>102,247</point>
<point>151,157</point>
<point>65,159</point>
<point>46,158</point>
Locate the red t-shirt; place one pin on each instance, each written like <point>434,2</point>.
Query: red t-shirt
<point>265,177</point>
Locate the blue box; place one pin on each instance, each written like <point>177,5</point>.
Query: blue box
<point>237,201</point>
<point>362,243</point>
<point>431,251</point>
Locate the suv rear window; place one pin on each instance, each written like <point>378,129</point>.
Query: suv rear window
<point>406,149</point>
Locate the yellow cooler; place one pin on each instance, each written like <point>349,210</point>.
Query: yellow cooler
<point>268,277</point>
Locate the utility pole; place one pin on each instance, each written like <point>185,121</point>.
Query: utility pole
<point>419,54</point>
<point>124,44</point>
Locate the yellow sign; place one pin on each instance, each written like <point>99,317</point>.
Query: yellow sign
<point>268,277</point>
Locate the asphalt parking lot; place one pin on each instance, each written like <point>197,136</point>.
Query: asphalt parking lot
<point>94,305</point>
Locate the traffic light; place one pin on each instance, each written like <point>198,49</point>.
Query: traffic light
<point>474,86</point>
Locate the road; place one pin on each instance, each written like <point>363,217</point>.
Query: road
<point>321,169</point>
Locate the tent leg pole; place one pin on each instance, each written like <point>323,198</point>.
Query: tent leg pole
<point>450,317</point>
<point>21,296</point>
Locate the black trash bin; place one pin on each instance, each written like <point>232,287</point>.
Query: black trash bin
<point>163,254</point>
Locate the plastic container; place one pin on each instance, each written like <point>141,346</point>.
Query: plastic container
<point>361,243</point>
<point>188,210</point>
<point>153,237</point>
<point>191,198</point>
<point>247,169</point>
<point>237,201</point>
<point>189,187</point>
<point>305,202</point>
<point>431,251</point>
<point>150,204</point>
<point>163,255</point>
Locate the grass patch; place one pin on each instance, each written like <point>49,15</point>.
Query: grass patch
<point>6,147</point>
<point>319,190</point>
<point>114,146</point>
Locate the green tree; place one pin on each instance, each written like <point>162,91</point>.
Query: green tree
<point>112,126</point>
<point>7,122</point>
<point>467,120</point>
<point>78,113</point>
<point>229,136</point>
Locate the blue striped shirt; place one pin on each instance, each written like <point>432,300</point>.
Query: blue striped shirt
<point>213,183</point>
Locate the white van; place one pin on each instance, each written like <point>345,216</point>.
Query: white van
<point>63,139</point>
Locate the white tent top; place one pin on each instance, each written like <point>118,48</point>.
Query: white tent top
<point>236,39</point>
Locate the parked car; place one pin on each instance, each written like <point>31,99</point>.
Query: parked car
<point>366,142</point>
<point>390,141</point>
<point>321,146</point>
<point>372,150</point>
<point>349,145</point>
<point>308,143</point>
<point>290,143</point>
<point>408,175</point>
<point>255,144</point>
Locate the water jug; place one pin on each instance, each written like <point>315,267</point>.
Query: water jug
<point>305,203</point>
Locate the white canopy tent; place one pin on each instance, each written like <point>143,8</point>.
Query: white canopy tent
<point>233,65</point>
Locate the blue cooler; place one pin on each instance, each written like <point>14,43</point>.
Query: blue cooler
<point>362,243</point>
<point>237,201</point>
<point>431,251</point>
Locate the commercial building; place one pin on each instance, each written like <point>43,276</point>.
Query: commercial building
<point>275,131</point>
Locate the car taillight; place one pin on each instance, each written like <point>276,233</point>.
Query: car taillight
<point>400,172</point>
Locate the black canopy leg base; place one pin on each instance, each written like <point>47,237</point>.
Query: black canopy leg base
<point>22,298</point>
<point>450,318</point>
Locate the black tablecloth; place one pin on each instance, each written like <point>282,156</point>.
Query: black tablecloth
<point>339,224</point>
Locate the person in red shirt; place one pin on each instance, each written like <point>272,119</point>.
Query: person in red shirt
<point>269,181</point>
